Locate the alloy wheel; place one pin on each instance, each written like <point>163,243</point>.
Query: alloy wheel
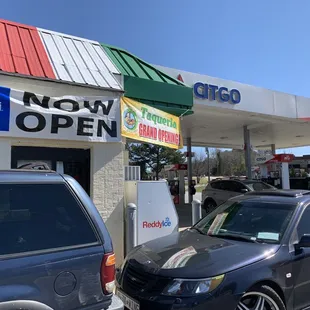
<point>210,206</point>
<point>257,301</point>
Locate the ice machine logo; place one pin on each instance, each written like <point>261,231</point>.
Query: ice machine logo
<point>157,224</point>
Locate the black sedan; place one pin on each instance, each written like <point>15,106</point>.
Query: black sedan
<point>252,252</point>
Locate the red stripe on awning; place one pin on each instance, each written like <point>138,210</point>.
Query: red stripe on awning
<point>6,61</point>
<point>31,53</point>
<point>17,51</point>
<point>44,60</point>
<point>22,51</point>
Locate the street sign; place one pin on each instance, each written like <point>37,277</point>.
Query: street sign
<point>175,167</point>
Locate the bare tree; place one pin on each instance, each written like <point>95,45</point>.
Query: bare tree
<point>199,165</point>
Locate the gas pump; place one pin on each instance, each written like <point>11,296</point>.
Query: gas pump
<point>177,186</point>
<point>174,187</point>
<point>192,189</point>
<point>274,169</point>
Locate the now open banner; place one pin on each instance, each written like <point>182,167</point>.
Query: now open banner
<point>30,115</point>
<point>144,123</point>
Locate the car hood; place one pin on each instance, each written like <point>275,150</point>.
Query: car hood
<point>192,255</point>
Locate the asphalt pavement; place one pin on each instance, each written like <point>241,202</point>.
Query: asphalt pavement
<point>185,212</point>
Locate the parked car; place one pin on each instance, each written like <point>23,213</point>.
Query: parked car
<point>55,252</point>
<point>252,252</point>
<point>219,191</point>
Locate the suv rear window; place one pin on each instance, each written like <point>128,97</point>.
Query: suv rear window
<point>36,217</point>
<point>259,186</point>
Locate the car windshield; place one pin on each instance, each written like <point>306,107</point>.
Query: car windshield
<point>248,220</point>
<point>259,186</point>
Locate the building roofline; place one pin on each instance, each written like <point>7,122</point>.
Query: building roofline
<point>145,63</point>
<point>35,78</point>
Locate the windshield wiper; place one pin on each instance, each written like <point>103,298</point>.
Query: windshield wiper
<point>234,237</point>
<point>199,230</point>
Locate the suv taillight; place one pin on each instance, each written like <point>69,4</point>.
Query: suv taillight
<point>107,273</point>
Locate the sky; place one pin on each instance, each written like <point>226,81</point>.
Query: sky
<point>262,43</point>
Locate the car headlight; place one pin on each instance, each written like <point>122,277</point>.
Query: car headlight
<point>189,287</point>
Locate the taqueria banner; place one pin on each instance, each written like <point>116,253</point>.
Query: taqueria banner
<point>82,118</point>
<point>144,123</point>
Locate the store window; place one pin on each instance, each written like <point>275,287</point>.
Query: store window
<point>74,162</point>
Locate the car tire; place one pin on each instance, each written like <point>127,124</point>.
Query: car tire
<point>257,296</point>
<point>209,205</point>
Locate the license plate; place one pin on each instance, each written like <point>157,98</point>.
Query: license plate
<point>129,302</point>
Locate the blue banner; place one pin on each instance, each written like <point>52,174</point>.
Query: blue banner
<point>5,108</point>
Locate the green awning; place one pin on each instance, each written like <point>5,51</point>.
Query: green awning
<point>145,83</point>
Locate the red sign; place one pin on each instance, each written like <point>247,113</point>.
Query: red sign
<point>181,167</point>
<point>180,78</point>
<point>176,167</point>
<point>282,158</point>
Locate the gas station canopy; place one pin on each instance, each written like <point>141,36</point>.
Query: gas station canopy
<point>222,108</point>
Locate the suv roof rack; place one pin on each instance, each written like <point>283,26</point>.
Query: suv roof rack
<point>220,179</point>
<point>280,193</point>
<point>35,166</point>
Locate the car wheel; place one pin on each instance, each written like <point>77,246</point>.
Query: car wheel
<point>209,205</point>
<point>261,298</point>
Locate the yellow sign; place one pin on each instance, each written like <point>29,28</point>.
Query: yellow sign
<point>144,123</point>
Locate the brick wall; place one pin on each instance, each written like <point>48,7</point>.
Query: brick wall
<point>108,190</point>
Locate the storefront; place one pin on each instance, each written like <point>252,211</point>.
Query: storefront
<point>148,85</point>
<point>60,105</point>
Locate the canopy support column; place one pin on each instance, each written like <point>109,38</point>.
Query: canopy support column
<point>273,149</point>
<point>247,152</point>
<point>285,174</point>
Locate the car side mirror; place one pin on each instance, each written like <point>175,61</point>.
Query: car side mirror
<point>304,242</point>
<point>244,190</point>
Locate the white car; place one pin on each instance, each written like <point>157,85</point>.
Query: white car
<point>219,191</point>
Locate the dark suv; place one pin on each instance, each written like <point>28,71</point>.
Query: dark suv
<point>252,252</point>
<point>55,252</point>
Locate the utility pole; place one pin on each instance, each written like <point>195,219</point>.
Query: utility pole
<point>208,154</point>
<point>189,168</point>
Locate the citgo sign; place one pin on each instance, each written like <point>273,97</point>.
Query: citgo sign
<point>214,92</point>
